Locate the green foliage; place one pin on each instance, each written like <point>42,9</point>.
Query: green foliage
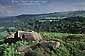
<point>73,24</point>
<point>67,48</point>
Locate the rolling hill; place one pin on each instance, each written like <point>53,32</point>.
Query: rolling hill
<point>71,21</point>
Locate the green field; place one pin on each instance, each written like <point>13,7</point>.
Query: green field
<point>72,47</point>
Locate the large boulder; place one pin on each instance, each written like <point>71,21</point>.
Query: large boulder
<point>47,47</point>
<point>47,44</point>
<point>29,35</point>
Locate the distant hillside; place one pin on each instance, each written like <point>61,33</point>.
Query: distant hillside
<point>42,16</point>
<point>61,14</point>
<point>55,14</point>
<point>70,22</point>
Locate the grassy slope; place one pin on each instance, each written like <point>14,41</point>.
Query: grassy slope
<point>72,48</point>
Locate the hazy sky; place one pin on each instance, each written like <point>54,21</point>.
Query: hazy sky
<point>16,7</point>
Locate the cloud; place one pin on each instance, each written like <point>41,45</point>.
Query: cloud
<point>28,2</point>
<point>15,7</point>
<point>82,4</point>
<point>7,10</point>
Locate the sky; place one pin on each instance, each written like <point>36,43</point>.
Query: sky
<point>18,7</point>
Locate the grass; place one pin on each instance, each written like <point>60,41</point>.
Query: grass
<point>72,48</point>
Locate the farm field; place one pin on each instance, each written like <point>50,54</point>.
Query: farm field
<point>71,45</point>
